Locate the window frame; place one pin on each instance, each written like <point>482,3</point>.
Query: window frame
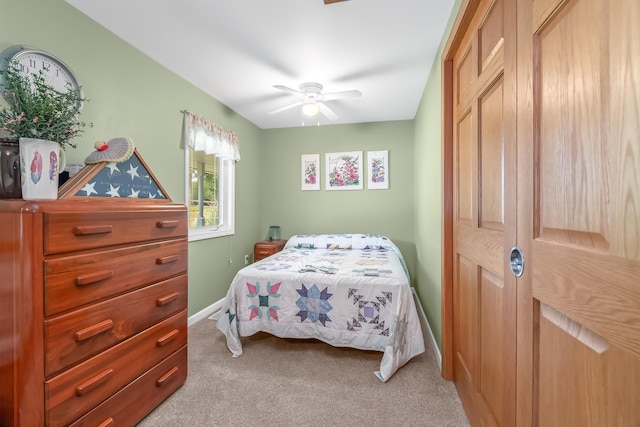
<point>226,200</point>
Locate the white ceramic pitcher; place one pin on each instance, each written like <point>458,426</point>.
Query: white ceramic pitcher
<point>40,164</point>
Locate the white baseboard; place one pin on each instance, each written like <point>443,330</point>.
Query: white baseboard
<point>432,339</point>
<point>205,312</point>
<point>214,308</point>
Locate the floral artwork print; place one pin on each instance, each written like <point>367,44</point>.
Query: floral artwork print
<point>310,165</point>
<point>378,164</point>
<point>310,173</point>
<point>377,170</point>
<point>344,171</point>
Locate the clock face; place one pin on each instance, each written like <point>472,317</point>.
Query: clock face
<point>32,61</point>
<point>56,74</point>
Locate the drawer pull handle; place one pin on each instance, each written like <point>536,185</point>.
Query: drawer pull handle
<point>92,229</point>
<point>94,382</point>
<point>167,224</point>
<point>167,299</point>
<point>106,423</point>
<point>167,338</point>
<point>167,259</point>
<point>90,278</point>
<point>91,331</point>
<point>165,378</point>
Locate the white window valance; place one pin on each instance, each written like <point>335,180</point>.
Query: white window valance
<point>200,134</point>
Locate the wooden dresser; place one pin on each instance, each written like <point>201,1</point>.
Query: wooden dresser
<point>93,310</point>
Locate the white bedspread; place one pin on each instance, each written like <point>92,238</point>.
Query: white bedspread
<point>354,294</point>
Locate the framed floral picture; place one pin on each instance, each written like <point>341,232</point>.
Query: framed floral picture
<point>378,170</point>
<point>310,166</point>
<point>344,171</point>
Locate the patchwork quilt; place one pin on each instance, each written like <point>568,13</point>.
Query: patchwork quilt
<point>346,290</point>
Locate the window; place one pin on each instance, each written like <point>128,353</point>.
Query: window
<point>210,156</point>
<point>210,191</point>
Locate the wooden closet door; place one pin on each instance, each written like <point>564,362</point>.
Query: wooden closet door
<point>484,215</point>
<point>579,212</point>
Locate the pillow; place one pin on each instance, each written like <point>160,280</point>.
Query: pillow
<point>375,242</point>
<point>340,241</point>
<point>307,241</point>
<point>306,246</point>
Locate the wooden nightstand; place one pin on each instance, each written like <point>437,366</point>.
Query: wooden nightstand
<point>267,247</point>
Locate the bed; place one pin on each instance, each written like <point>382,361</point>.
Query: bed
<point>348,290</point>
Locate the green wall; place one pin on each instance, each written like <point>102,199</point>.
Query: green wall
<point>428,191</point>
<point>131,95</point>
<point>388,212</point>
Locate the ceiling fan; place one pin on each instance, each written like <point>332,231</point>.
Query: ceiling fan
<point>313,100</point>
<point>332,1</point>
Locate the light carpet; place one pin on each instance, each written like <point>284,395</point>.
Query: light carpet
<point>287,382</point>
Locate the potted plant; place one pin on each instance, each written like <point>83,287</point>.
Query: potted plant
<point>36,114</point>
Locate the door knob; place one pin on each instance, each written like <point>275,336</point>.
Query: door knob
<point>516,259</point>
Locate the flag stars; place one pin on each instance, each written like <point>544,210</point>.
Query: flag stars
<point>113,191</point>
<point>113,167</point>
<point>128,179</point>
<point>89,188</point>
<point>133,171</point>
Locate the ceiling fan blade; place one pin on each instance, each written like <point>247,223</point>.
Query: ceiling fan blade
<point>332,1</point>
<point>342,95</point>
<point>288,89</point>
<point>328,112</point>
<point>285,108</point>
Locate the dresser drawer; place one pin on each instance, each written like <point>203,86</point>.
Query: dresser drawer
<point>72,337</point>
<point>148,391</point>
<point>81,388</point>
<point>73,231</point>
<point>82,279</point>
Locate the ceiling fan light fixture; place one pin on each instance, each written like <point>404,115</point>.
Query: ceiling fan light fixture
<point>310,109</point>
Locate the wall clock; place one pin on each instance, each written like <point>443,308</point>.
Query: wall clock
<point>56,73</point>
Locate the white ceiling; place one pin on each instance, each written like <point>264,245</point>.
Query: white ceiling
<point>237,50</point>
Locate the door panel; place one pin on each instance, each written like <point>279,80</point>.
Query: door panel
<point>579,223</point>
<point>573,174</point>
<point>465,175</point>
<point>466,341</point>
<point>492,343</point>
<point>490,34</point>
<point>484,297</point>
<point>584,380</point>
<point>465,71</point>
<point>491,159</point>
